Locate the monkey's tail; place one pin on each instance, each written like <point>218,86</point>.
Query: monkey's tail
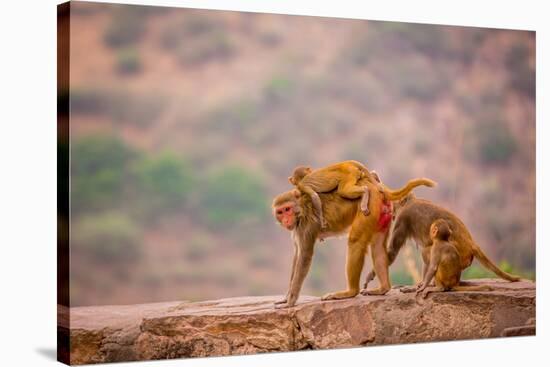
<point>484,260</point>
<point>394,195</point>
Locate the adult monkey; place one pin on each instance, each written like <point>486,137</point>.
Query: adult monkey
<point>414,218</point>
<point>295,212</point>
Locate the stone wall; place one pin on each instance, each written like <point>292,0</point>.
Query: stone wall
<point>247,325</point>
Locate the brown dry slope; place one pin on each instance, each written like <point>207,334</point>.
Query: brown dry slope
<point>249,325</point>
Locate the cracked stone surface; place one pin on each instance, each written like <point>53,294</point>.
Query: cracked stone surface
<point>246,325</point>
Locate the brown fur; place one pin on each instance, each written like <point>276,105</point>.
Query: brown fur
<point>444,263</point>
<point>342,177</point>
<point>296,213</point>
<point>414,218</point>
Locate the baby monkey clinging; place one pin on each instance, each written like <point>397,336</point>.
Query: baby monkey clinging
<point>341,176</point>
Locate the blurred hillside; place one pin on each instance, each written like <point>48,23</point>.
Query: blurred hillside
<point>185,124</point>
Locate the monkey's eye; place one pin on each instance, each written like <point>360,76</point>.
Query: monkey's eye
<point>287,209</point>
<point>279,212</point>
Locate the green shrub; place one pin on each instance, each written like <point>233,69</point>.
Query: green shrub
<point>108,238</point>
<point>164,181</point>
<point>513,233</point>
<point>278,88</point>
<point>107,173</point>
<point>234,195</point>
<point>98,166</point>
<point>477,272</point>
<point>128,61</point>
<point>495,142</point>
<point>401,277</point>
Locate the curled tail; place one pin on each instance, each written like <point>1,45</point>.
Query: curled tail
<point>394,195</point>
<point>484,260</point>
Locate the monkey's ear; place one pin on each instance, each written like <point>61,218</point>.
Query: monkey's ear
<point>296,193</point>
<point>291,180</point>
<point>308,170</point>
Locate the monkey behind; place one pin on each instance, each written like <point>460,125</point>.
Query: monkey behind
<point>414,218</point>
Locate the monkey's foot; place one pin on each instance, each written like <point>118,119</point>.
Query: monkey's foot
<point>284,300</point>
<point>339,295</point>
<point>365,207</point>
<point>368,279</point>
<point>408,289</point>
<point>283,305</point>
<point>374,292</point>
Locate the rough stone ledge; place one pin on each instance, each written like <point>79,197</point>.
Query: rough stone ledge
<point>248,325</point>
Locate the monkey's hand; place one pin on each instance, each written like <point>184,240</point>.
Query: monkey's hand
<point>424,289</point>
<point>408,289</point>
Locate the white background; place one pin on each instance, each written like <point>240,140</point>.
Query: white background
<point>28,182</point>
